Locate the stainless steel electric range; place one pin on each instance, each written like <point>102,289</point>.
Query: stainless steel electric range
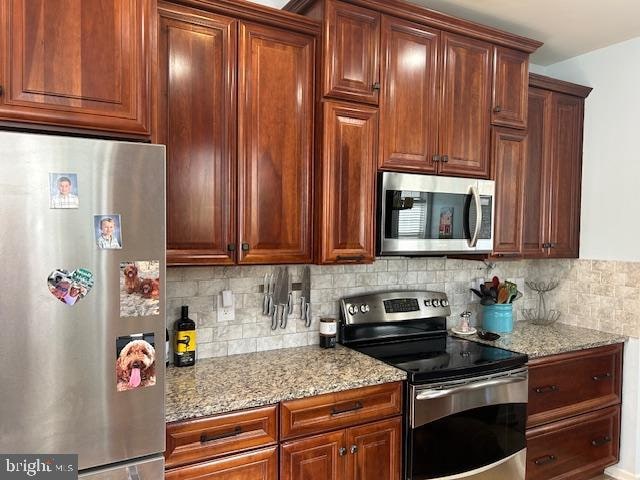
<point>465,403</point>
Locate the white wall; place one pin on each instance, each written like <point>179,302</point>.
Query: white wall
<point>610,224</point>
<point>610,219</point>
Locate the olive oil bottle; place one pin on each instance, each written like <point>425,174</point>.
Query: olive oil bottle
<point>184,349</point>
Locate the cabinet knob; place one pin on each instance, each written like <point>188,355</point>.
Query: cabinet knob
<point>436,158</point>
<point>546,245</point>
<point>354,448</point>
<point>544,460</point>
<point>497,109</point>
<point>376,86</point>
<point>245,247</point>
<point>342,451</point>
<point>601,441</point>
<point>445,159</point>
<point>231,247</point>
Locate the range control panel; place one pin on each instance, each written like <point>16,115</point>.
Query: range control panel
<point>394,307</point>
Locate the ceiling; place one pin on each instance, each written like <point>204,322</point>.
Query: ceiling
<point>567,27</point>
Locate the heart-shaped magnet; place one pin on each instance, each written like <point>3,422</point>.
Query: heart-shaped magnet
<point>70,286</point>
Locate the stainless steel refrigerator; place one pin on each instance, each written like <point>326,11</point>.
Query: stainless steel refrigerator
<point>82,340</point>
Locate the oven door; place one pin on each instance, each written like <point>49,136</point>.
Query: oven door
<point>425,213</point>
<point>471,429</point>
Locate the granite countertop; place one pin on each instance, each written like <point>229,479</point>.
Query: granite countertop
<point>539,341</point>
<point>218,385</point>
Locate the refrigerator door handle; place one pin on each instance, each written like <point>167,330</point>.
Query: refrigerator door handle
<point>132,473</point>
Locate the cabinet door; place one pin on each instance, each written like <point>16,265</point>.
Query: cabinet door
<point>348,177</point>
<point>76,63</point>
<point>352,52</point>
<point>565,175</point>
<point>195,119</point>
<point>314,458</point>
<point>510,87</point>
<point>465,114</point>
<point>509,157</point>
<point>375,450</point>
<point>275,141</point>
<point>253,465</point>
<point>409,101</point>
<point>535,216</point>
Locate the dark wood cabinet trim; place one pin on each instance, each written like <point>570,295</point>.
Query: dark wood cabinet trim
<point>432,18</point>
<point>560,86</point>
<point>250,11</point>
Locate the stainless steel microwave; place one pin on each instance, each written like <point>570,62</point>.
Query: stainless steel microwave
<point>428,214</point>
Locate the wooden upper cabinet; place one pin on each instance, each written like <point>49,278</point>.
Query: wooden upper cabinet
<point>510,87</point>
<point>509,157</point>
<point>375,450</point>
<point>76,63</point>
<point>409,97</point>
<point>538,143</point>
<point>321,457</point>
<point>352,52</point>
<point>196,121</point>
<point>465,112</point>
<point>566,174</point>
<point>275,142</point>
<point>348,172</point>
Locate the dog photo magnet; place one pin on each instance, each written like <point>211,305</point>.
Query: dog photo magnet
<point>63,190</point>
<point>135,361</point>
<point>139,288</point>
<point>108,231</point>
<point>70,286</point>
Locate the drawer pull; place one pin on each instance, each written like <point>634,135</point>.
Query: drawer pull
<point>604,376</point>
<point>210,438</point>
<point>601,441</point>
<point>547,389</point>
<point>337,411</point>
<point>546,459</point>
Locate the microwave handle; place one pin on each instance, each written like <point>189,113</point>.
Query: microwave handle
<point>476,199</point>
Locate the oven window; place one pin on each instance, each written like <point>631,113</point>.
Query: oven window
<point>423,215</point>
<point>467,440</point>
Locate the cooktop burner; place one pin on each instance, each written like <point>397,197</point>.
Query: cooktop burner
<point>441,357</point>
<point>408,331</point>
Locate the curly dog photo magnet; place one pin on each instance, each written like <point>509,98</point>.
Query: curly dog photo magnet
<point>135,361</point>
<point>70,286</point>
<point>139,288</point>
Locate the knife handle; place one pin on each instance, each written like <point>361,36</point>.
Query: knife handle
<point>302,302</point>
<point>290,304</point>
<point>274,315</point>
<point>282,320</point>
<point>265,304</point>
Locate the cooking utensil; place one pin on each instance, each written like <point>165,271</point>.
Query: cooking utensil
<point>513,291</point>
<point>484,335</point>
<point>305,297</point>
<point>503,294</point>
<point>266,290</point>
<point>273,298</point>
<point>495,281</point>
<point>283,297</point>
<point>487,301</point>
<point>477,292</point>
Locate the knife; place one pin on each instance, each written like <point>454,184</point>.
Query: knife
<point>266,291</point>
<point>273,300</point>
<point>284,297</point>
<point>305,298</point>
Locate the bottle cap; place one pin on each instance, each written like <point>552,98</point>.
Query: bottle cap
<point>185,311</point>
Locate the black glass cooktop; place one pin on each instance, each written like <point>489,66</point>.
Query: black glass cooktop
<point>442,357</point>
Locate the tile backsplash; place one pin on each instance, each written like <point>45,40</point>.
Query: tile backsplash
<point>594,294</point>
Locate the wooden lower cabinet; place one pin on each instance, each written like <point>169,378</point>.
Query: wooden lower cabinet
<point>254,465</point>
<point>576,448</point>
<point>574,414</point>
<point>367,452</point>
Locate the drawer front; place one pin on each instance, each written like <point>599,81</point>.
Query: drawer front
<point>573,447</point>
<point>254,465</point>
<point>336,410</point>
<point>569,384</point>
<point>205,438</point>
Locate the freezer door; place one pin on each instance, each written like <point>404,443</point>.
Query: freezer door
<point>152,469</point>
<point>58,376</point>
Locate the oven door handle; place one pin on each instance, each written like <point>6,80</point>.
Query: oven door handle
<point>476,199</point>
<point>493,382</point>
